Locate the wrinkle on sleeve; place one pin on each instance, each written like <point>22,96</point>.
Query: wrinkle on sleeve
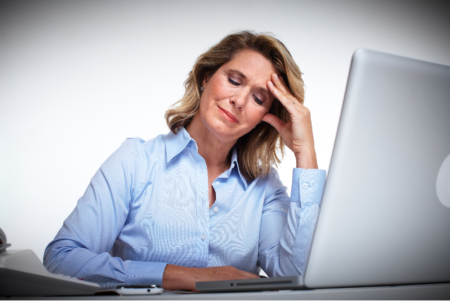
<point>81,247</point>
<point>288,223</point>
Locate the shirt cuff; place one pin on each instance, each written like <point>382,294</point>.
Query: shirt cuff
<point>146,273</point>
<point>308,185</point>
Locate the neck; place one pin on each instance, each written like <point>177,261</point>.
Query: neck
<point>215,152</point>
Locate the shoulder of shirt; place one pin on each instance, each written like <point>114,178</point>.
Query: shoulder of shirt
<point>139,142</point>
<point>271,180</point>
<point>154,146</point>
<point>138,150</point>
<point>273,173</point>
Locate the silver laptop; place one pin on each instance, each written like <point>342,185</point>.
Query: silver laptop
<point>385,216</point>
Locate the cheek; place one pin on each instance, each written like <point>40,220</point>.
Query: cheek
<point>220,90</point>
<point>256,113</point>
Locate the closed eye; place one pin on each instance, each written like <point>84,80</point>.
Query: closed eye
<point>257,100</point>
<point>233,82</point>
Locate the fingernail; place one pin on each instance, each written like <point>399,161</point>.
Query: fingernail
<point>276,76</point>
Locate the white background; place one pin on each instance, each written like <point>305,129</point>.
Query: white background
<point>78,77</point>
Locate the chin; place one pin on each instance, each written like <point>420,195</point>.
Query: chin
<point>224,133</point>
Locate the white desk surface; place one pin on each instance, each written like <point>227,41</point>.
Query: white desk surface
<point>421,291</point>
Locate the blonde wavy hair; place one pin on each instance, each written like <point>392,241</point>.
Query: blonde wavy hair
<point>257,150</point>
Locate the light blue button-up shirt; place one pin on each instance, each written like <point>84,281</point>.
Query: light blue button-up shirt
<point>148,206</point>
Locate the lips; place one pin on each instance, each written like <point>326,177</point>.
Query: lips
<point>228,116</point>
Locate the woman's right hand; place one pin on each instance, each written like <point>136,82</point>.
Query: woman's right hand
<point>184,278</point>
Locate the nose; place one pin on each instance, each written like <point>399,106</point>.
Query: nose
<point>238,100</point>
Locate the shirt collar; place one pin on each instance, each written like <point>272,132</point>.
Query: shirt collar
<point>176,143</point>
<point>234,164</point>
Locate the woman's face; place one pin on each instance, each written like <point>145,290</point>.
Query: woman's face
<point>236,97</point>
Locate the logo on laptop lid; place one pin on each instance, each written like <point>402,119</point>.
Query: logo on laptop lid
<point>443,183</point>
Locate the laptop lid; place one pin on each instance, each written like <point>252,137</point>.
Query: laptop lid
<point>385,216</point>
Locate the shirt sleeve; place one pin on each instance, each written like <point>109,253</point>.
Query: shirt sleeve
<point>81,247</point>
<point>287,224</point>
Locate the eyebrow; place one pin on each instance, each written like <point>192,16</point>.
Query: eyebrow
<point>239,72</point>
<point>245,77</point>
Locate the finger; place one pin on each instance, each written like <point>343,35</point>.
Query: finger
<point>280,84</point>
<point>288,102</point>
<point>248,275</point>
<point>234,273</point>
<point>274,121</point>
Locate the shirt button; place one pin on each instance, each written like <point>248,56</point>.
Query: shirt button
<point>203,237</point>
<point>217,183</point>
<point>305,185</point>
<point>216,209</point>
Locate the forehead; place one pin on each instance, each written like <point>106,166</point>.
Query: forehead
<point>252,64</point>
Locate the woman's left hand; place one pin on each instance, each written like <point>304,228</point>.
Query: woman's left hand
<point>297,134</point>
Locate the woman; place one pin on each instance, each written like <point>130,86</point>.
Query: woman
<point>202,202</point>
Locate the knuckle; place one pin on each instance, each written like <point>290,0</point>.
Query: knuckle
<point>305,112</point>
